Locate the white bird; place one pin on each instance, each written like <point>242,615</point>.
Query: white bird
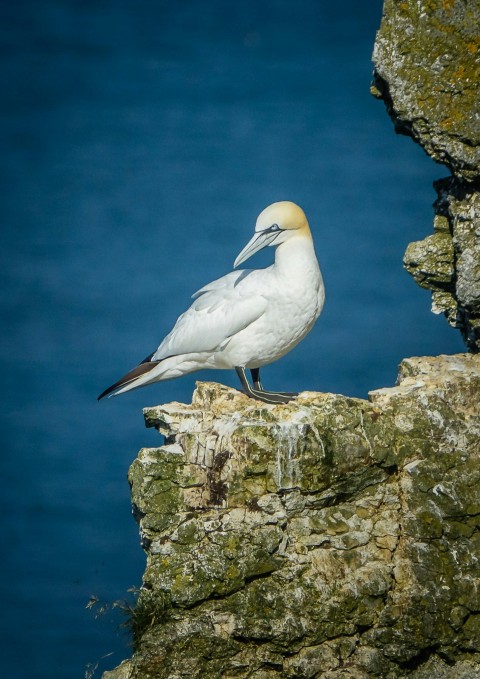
<point>247,318</point>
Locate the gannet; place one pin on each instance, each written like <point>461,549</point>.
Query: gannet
<point>249,317</point>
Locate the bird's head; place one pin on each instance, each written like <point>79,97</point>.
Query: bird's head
<point>276,224</point>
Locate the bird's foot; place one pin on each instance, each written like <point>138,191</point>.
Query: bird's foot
<point>270,396</point>
<point>257,392</point>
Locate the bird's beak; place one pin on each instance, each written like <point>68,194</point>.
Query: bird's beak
<point>259,241</point>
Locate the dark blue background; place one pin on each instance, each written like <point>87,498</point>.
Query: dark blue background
<point>140,141</point>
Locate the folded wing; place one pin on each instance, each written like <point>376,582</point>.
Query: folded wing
<point>221,309</point>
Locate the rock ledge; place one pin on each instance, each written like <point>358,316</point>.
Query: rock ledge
<point>331,537</point>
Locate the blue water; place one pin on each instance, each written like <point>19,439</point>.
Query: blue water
<point>140,141</point>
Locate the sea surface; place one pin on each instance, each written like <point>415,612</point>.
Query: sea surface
<point>140,140</point>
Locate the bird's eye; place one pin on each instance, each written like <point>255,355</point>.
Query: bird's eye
<point>274,227</point>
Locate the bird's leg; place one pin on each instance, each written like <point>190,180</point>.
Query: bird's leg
<point>257,385</point>
<point>260,394</point>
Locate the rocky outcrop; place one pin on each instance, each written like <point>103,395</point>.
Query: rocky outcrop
<point>331,537</point>
<point>448,262</point>
<point>427,71</point>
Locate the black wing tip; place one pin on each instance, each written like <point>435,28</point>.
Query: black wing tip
<point>107,392</point>
<point>144,367</point>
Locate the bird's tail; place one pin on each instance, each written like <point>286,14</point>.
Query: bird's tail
<point>133,379</point>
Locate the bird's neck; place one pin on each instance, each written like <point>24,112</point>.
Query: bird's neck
<point>295,255</point>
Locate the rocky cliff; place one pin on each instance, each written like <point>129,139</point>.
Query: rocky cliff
<point>330,537</point>
<point>427,71</point>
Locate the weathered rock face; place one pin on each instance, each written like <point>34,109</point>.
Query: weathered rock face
<point>427,71</point>
<point>330,537</point>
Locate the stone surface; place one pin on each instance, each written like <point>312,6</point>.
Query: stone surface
<point>331,537</point>
<point>427,71</point>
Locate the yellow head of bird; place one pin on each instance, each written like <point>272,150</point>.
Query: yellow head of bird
<point>286,215</point>
<point>276,224</point>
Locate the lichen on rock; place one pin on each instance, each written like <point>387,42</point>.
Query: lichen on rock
<point>330,537</point>
<point>427,70</point>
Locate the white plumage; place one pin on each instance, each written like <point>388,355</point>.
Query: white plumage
<point>247,318</point>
